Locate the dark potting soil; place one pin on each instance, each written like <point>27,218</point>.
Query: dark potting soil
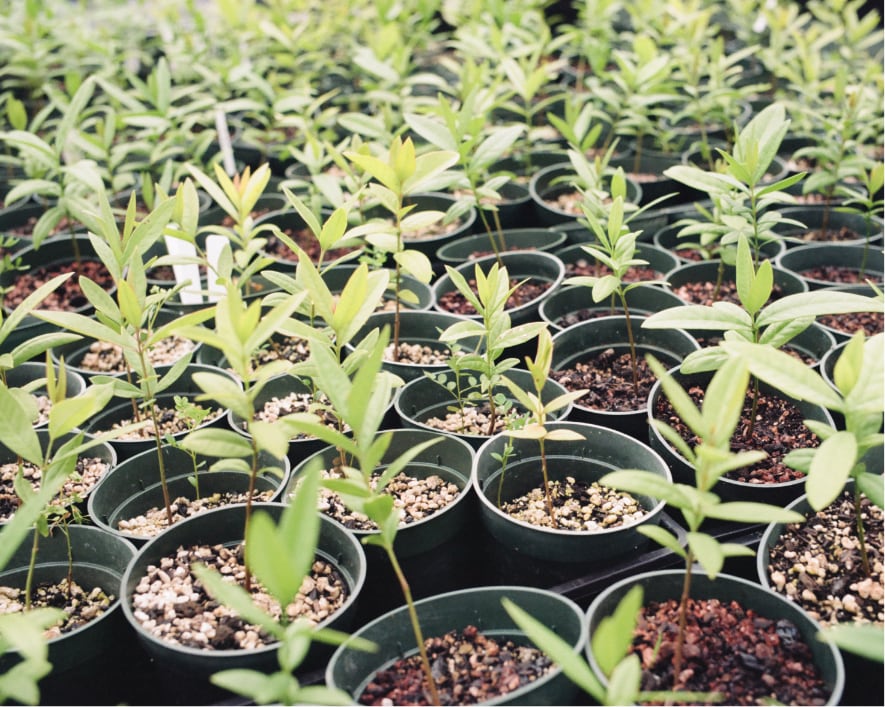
<point>305,240</point>
<point>705,292</point>
<point>584,314</point>
<point>777,430</point>
<point>831,235</point>
<point>67,296</point>
<point>818,563</point>
<point>79,605</point>
<point>871,322</point>
<point>748,658</point>
<point>608,378</point>
<point>530,290</point>
<point>468,668</point>
<point>842,275</point>
<point>589,268</point>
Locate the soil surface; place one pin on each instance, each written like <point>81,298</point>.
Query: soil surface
<point>79,604</point>
<point>871,322</point>
<point>841,275</point>
<point>818,564</point>
<point>749,658</point>
<point>87,473</point>
<point>577,505</point>
<point>468,667</point>
<point>778,429</point>
<point>706,293</point>
<point>104,357</point>
<point>453,301</point>
<point>66,297</point>
<point>173,605</point>
<point>608,378</point>
<point>154,520</point>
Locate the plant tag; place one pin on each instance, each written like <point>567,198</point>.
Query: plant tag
<point>227,151</point>
<point>186,271</point>
<point>215,244</point>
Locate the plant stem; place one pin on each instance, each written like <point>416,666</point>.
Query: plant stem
<point>253,474</point>
<point>683,615</point>
<point>416,624</point>
<point>149,400</point>
<point>634,363</point>
<point>861,533</point>
<point>547,495</point>
<point>29,580</point>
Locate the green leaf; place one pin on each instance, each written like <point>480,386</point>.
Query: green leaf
<point>68,414</point>
<point>646,483</point>
<point>865,640</point>
<point>750,512</point>
<point>724,401</point>
<point>721,316</point>
<point>707,551</point>
<point>830,468</point>
<point>216,442</point>
<point>613,636</point>
<point>16,428</point>
<point>416,264</point>
<point>664,538</point>
<point>237,598</point>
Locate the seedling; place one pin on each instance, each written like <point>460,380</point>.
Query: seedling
<point>280,556</point>
<point>360,402</point>
<point>493,333</point>
<point>712,457</point>
<point>130,320</point>
<point>858,397</point>
<point>538,411</point>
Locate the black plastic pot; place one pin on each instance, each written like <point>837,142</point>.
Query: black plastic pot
<point>649,174</point>
<point>668,239</point>
<point>583,341</point>
<point>134,487</point>
<point>659,259</point>
<point>417,328</point>
<point>350,669</point>
<point>573,300</point>
<point>814,215</point>
<point>729,489</point>
<point>866,262</point>
<point>476,245</point>
<point>225,526</point>
<point>103,451</point>
<point>663,585</point>
<point>706,271</point>
<point>422,399</point>
<point>119,410</point>
<point>31,375</point>
<point>600,451</point>
<point>539,266</point>
<point>52,253</point>
<point>99,560</point>
<point>550,182</point>
<point>450,458</point>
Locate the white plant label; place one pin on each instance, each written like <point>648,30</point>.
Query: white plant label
<point>186,272</point>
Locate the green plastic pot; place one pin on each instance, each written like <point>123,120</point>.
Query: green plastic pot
<point>465,248</point>
<point>119,410</point>
<point>99,560</point>
<point>662,585</point>
<point>351,670</point>
<point>601,451</point>
<point>225,526</point>
<point>729,489</point>
<point>583,341</point>
<point>573,299</point>
<point>538,265</point>
<point>853,257</point>
<point>423,398</point>
<point>134,485</point>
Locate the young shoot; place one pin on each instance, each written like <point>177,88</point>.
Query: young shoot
<point>714,424</point>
